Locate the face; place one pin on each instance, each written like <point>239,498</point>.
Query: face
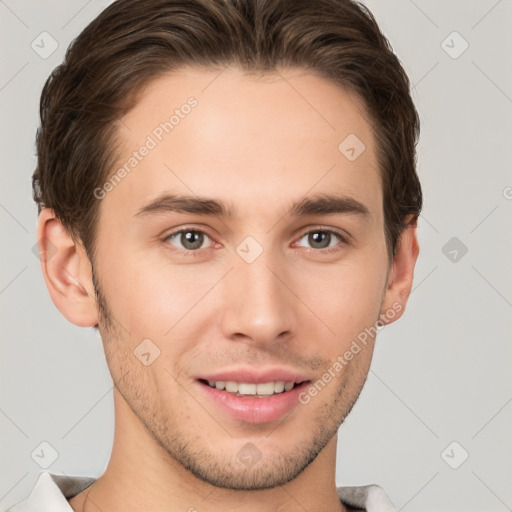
<point>242,247</point>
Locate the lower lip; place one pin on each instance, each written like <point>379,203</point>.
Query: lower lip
<point>252,409</point>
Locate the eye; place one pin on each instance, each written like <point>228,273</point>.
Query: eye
<point>190,239</point>
<point>322,239</point>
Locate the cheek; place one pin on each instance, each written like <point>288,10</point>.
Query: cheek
<point>345,297</point>
<point>150,299</point>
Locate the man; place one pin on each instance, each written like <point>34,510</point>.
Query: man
<point>227,191</point>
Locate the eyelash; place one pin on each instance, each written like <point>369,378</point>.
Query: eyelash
<point>197,252</point>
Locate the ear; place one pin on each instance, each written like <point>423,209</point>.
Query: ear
<point>401,275</point>
<point>67,271</point>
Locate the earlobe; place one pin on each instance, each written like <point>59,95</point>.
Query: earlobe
<point>400,276</point>
<point>66,271</point>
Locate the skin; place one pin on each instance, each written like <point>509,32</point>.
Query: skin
<point>253,141</point>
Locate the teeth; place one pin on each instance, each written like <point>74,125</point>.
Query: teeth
<point>265,389</point>
<point>232,387</point>
<point>245,388</point>
<point>279,386</point>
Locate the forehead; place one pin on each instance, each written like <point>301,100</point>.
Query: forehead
<point>247,138</point>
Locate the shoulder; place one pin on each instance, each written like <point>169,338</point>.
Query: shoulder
<point>51,493</point>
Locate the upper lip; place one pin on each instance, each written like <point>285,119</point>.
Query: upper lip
<point>253,376</point>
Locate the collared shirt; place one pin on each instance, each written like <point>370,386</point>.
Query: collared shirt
<point>51,493</point>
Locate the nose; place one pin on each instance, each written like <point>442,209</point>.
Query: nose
<point>258,305</point>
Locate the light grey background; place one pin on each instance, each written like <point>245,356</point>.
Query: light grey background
<point>440,374</point>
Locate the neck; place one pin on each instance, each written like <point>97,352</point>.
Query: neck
<point>141,475</point>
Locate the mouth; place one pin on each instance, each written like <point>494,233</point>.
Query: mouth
<point>260,402</point>
<point>252,389</point>
<point>254,395</point>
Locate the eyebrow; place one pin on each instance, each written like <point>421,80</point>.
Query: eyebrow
<point>323,204</point>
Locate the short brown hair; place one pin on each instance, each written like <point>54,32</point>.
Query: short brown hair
<point>134,41</point>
